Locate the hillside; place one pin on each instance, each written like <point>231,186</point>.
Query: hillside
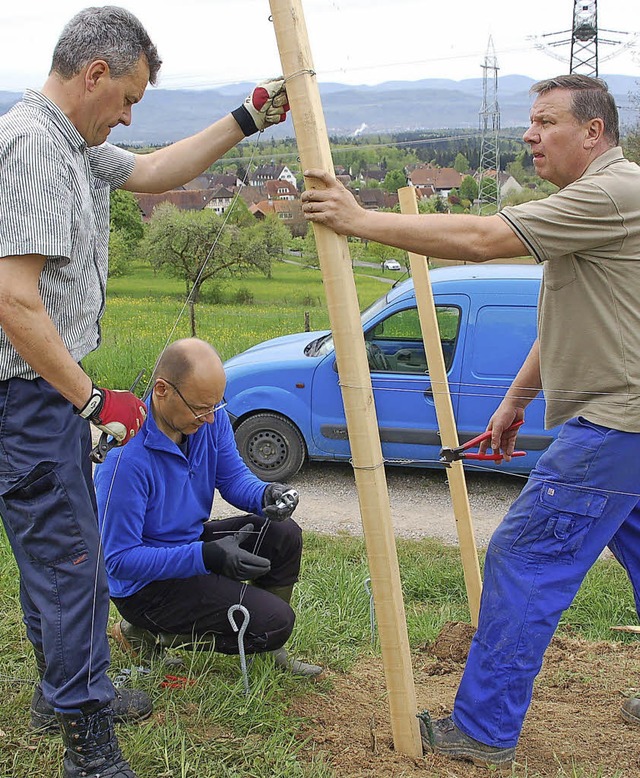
<point>166,115</point>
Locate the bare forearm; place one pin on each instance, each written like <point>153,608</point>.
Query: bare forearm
<point>35,338</point>
<point>28,326</point>
<point>184,160</point>
<point>527,383</point>
<point>462,237</point>
<point>446,236</point>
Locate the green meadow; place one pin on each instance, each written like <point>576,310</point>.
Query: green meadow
<point>145,311</point>
<point>209,728</point>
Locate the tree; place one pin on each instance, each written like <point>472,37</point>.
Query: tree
<point>461,163</point>
<point>468,188</point>
<point>125,217</point>
<point>394,180</point>
<point>197,246</point>
<point>119,253</point>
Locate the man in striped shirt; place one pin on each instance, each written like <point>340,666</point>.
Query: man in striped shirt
<point>56,175</point>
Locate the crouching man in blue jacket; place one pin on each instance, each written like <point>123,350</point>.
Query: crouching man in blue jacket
<point>172,571</point>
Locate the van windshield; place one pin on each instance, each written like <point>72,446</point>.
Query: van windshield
<point>324,345</point>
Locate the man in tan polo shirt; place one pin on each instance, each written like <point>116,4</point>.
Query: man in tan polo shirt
<point>583,494</point>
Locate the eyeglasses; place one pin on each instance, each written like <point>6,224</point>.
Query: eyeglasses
<point>210,412</point>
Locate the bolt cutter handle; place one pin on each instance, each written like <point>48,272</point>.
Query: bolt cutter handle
<point>449,455</point>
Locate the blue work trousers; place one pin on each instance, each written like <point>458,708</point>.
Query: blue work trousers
<point>582,496</point>
<point>48,509</point>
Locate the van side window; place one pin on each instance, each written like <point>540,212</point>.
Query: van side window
<point>395,345</point>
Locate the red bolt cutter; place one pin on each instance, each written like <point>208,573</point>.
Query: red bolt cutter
<point>449,455</point>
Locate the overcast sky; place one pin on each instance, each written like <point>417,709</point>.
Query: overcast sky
<point>209,43</point>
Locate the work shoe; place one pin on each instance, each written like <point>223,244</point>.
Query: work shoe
<point>443,737</point>
<point>138,642</point>
<point>91,746</point>
<point>294,666</point>
<point>630,710</point>
<point>128,705</point>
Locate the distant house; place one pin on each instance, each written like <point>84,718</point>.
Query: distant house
<point>271,173</point>
<point>508,185</point>
<point>228,180</point>
<point>376,199</point>
<point>213,181</point>
<point>252,194</point>
<point>373,173</point>
<point>289,211</point>
<point>423,192</point>
<point>200,182</point>
<point>280,190</point>
<point>220,199</point>
<point>442,179</point>
<point>183,199</point>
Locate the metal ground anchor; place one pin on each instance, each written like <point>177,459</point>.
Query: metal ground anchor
<point>372,610</point>
<point>241,630</point>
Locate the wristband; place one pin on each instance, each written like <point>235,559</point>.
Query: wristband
<point>243,117</point>
<point>91,409</point>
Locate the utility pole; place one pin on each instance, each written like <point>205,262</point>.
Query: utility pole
<point>489,170</point>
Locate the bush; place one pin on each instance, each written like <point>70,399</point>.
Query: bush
<point>244,296</point>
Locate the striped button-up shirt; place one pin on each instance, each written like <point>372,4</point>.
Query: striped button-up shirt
<point>54,201</point>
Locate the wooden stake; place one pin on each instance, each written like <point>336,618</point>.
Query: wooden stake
<point>444,414</point>
<point>355,383</point>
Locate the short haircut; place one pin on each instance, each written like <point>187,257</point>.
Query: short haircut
<point>179,360</point>
<point>109,33</point>
<point>591,99</point>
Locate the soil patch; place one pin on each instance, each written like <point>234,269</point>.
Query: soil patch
<point>573,726</point>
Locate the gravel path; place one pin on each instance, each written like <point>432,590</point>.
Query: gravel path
<point>420,501</point>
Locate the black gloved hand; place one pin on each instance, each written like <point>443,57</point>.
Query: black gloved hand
<point>225,556</point>
<point>279,501</point>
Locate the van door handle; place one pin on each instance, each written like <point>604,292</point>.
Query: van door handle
<point>428,393</point>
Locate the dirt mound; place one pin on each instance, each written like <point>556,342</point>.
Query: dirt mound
<point>573,724</point>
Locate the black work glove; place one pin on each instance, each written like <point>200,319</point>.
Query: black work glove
<point>225,556</point>
<point>279,501</point>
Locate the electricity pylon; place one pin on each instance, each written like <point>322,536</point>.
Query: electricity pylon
<point>586,40</point>
<point>489,170</point>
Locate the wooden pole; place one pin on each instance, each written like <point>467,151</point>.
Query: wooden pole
<point>444,414</point>
<point>355,383</point>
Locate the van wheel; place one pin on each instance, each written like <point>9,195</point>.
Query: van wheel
<point>271,446</point>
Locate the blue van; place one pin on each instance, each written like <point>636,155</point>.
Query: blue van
<point>284,396</point>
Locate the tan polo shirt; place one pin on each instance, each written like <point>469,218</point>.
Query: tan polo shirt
<point>588,236</point>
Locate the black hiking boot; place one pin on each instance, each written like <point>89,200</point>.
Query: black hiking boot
<point>128,706</point>
<point>443,737</point>
<point>91,746</point>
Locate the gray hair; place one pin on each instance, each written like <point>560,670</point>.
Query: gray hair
<point>109,33</point>
<point>590,99</point>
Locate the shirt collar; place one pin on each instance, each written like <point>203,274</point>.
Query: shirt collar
<point>604,160</point>
<point>57,117</point>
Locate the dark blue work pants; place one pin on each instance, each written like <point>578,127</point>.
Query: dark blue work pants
<point>48,509</point>
<point>199,605</point>
<point>582,496</point>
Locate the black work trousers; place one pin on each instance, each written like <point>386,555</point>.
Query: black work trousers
<point>199,605</point>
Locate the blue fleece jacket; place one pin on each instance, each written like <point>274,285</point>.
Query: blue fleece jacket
<point>153,500</point>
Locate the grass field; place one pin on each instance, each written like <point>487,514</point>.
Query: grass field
<point>145,311</point>
<point>210,729</point>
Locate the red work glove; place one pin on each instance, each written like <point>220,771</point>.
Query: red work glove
<point>267,104</point>
<point>118,413</point>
